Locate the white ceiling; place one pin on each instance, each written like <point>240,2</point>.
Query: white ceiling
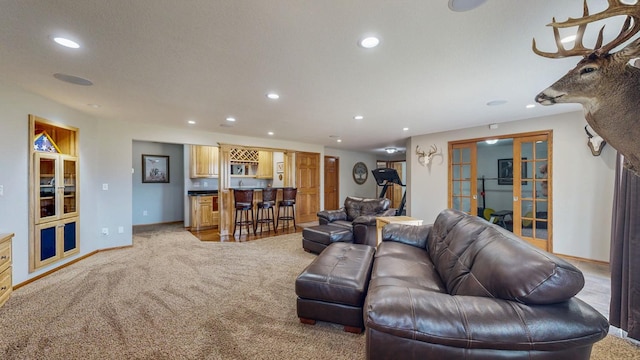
<point>169,61</point>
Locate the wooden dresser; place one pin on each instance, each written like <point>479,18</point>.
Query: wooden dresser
<point>6,286</point>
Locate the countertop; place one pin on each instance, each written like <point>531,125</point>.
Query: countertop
<point>202,192</point>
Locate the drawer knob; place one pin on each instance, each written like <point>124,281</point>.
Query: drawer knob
<point>4,257</point>
<point>3,288</point>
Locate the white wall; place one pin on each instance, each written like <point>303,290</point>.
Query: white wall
<point>348,186</point>
<point>582,184</point>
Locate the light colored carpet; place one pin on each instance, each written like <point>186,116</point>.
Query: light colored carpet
<point>171,296</point>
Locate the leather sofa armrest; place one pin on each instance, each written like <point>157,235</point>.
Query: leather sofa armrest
<point>332,215</point>
<point>440,318</point>
<point>415,235</point>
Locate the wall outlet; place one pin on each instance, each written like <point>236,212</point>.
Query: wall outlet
<point>206,184</point>
<point>1,190</point>
<point>105,186</point>
<point>120,229</point>
<point>196,184</point>
<point>145,213</point>
<point>105,231</point>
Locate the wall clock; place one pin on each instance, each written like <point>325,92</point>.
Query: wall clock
<point>360,173</point>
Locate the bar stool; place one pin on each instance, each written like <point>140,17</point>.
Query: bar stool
<point>287,203</point>
<point>268,203</point>
<point>243,203</point>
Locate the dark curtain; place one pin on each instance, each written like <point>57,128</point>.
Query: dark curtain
<point>624,312</point>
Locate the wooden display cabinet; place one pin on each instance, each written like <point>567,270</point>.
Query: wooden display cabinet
<point>54,193</point>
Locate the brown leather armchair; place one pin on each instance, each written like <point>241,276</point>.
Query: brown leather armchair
<point>358,215</point>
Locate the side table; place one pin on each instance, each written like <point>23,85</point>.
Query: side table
<point>384,220</point>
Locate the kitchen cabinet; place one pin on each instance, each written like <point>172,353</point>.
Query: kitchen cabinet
<point>204,211</point>
<point>265,165</point>
<point>54,197</point>
<point>203,162</point>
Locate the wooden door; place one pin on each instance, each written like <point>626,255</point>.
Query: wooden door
<point>462,177</point>
<point>331,183</point>
<point>308,184</point>
<point>398,191</point>
<point>532,190</point>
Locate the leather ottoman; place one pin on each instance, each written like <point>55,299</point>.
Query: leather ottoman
<point>333,287</point>
<point>316,238</point>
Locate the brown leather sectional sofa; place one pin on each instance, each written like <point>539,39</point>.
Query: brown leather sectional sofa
<point>358,215</point>
<point>465,289</point>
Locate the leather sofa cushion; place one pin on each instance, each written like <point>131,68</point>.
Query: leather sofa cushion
<point>401,265</point>
<point>476,258</point>
<point>356,206</point>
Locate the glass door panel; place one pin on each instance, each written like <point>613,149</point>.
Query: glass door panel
<point>69,173</point>
<point>462,178</point>
<point>46,171</point>
<point>532,191</point>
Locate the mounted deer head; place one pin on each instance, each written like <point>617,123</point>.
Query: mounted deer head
<point>606,85</point>
<point>425,158</point>
<point>595,143</point>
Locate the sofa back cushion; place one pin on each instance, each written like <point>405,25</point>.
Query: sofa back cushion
<point>476,258</point>
<point>355,206</point>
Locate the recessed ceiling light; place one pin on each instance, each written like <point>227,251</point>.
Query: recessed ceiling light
<point>231,119</point>
<point>530,106</point>
<point>496,102</point>
<point>72,79</point>
<point>390,150</point>
<point>405,129</point>
<point>369,42</point>
<point>358,117</point>
<point>66,42</point>
<point>465,5</point>
<point>273,96</point>
<point>568,39</point>
<point>191,122</point>
<point>270,133</point>
<point>339,140</point>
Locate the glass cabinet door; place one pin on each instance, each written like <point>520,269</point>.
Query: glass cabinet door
<point>462,192</point>
<point>69,186</point>
<point>46,194</point>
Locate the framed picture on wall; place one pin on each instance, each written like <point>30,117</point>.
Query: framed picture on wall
<point>155,168</point>
<point>505,171</point>
<point>280,167</point>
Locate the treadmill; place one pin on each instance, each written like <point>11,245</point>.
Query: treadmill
<point>386,177</point>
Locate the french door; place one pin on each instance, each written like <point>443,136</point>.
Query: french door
<point>462,174</point>
<point>532,194</point>
<point>530,190</point>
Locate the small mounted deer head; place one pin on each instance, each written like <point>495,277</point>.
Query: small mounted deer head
<point>425,158</point>
<point>595,143</point>
<point>606,84</point>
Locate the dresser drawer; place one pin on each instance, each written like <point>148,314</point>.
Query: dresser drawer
<point>5,285</point>
<point>5,255</point>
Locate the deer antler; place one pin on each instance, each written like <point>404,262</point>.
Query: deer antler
<point>615,8</point>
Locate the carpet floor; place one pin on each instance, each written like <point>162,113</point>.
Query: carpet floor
<point>171,296</point>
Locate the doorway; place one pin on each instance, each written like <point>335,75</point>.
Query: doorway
<point>484,180</point>
<point>331,182</point>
